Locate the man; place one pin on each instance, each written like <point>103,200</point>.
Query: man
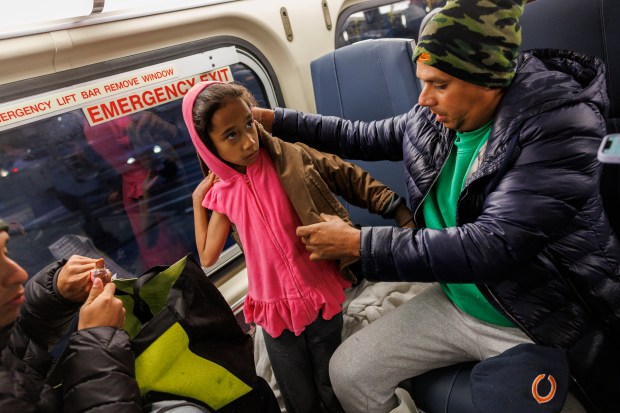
<point>501,171</point>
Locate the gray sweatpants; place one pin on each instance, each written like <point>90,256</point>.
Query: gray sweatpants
<point>425,333</point>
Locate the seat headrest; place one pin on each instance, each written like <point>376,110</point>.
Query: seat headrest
<point>587,27</point>
<point>368,80</point>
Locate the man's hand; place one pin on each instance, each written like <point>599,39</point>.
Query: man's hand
<point>264,116</point>
<point>74,281</point>
<point>101,308</point>
<point>330,240</point>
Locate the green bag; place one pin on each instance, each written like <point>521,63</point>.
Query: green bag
<point>186,340</point>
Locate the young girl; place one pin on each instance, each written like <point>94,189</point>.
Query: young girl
<point>267,188</point>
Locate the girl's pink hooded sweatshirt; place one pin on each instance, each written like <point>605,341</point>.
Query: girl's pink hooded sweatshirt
<point>286,290</point>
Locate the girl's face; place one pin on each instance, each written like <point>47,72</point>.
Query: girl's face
<point>12,278</point>
<point>234,134</point>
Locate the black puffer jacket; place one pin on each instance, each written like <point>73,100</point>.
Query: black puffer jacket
<point>97,372</point>
<point>531,228</point>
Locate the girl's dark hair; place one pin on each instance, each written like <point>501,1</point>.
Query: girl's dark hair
<point>211,100</point>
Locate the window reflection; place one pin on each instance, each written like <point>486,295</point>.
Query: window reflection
<point>400,19</point>
<point>123,186</point>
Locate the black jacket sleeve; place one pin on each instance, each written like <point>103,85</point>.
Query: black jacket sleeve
<point>99,371</point>
<point>46,315</point>
<point>371,141</point>
<point>548,193</point>
<point>20,386</point>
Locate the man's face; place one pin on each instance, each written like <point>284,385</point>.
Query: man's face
<point>459,105</point>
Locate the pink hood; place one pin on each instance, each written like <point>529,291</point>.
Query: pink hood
<point>215,164</point>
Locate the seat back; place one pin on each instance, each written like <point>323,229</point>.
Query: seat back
<point>368,80</point>
<point>589,27</point>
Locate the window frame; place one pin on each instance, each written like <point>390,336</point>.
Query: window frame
<point>356,8</point>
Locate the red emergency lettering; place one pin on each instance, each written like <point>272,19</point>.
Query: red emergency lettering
<point>123,84</point>
<point>87,94</point>
<point>158,75</point>
<point>25,111</point>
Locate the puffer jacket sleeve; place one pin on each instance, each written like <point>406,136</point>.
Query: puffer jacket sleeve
<point>46,315</point>
<point>20,384</point>
<point>377,140</point>
<point>99,373</point>
<point>552,177</point>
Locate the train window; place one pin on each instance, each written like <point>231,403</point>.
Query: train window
<point>381,19</point>
<point>108,166</point>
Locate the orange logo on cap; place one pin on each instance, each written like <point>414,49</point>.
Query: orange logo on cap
<point>543,399</point>
<point>424,57</point>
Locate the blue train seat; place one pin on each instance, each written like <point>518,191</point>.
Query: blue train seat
<point>368,80</point>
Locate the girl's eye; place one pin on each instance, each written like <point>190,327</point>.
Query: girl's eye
<point>231,136</point>
<point>249,124</point>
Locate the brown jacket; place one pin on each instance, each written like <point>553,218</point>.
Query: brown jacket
<point>325,176</point>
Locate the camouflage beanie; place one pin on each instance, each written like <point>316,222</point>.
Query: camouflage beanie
<point>3,226</point>
<point>473,40</point>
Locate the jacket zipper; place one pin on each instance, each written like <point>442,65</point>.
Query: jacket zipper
<point>415,212</point>
<point>273,238</point>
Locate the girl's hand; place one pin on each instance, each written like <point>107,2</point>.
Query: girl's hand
<point>204,186</point>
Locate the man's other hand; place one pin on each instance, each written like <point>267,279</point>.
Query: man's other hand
<point>331,239</point>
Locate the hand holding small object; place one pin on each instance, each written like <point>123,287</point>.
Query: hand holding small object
<point>101,308</point>
<point>74,279</point>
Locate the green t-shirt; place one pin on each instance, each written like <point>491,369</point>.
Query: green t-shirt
<point>439,209</point>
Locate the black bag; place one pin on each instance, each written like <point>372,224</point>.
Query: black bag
<point>187,342</point>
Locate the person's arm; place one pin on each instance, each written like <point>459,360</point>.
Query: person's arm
<point>359,188</point>
<point>536,200</point>
<point>377,140</point>
<point>553,177</point>
<point>332,239</point>
<point>98,370</point>
<point>23,367</point>
<point>211,233</point>
<point>53,297</point>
